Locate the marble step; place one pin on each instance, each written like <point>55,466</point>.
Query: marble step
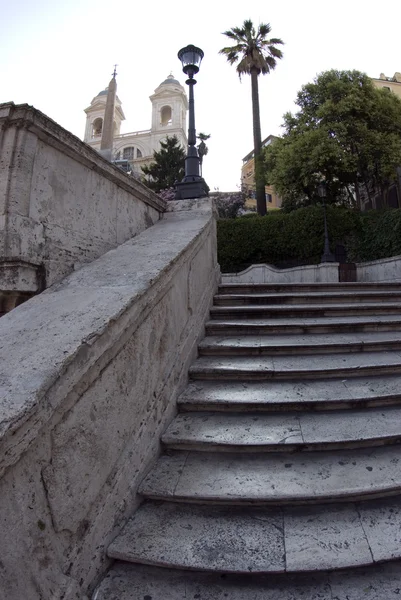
<point>298,325</point>
<point>299,344</point>
<point>278,288</point>
<point>275,478</point>
<point>128,581</point>
<point>305,310</point>
<point>308,298</point>
<point>322,366</point>
<point>257,540</point>
<point>305,395</point>
<point>289,432</point>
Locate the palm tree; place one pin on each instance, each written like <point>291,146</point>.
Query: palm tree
<point>202,148</point>
<point>255,54</point>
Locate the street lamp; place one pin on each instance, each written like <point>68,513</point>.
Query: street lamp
<point>327,256</point>
<point>193,185</point>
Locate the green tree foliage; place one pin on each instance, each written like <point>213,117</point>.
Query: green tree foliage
<point>346,132</point>
<point>168,166</point>
<point>255,55</point>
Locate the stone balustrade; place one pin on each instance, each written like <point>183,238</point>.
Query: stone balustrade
<point>90,370</point>
<point>61,204</point>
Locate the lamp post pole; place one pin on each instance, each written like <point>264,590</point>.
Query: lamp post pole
<point>327,256</point>
<point>192,185</point>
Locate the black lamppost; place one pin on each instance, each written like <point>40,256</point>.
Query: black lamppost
<point>327,256</point>
<point>193,185</point>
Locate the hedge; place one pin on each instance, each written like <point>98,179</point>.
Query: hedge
<point>298,237</point>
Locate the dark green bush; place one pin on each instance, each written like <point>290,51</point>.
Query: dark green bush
<point>379,236</point>
<point>280,238</point>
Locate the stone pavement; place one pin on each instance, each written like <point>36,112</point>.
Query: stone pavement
<point>281,477</point>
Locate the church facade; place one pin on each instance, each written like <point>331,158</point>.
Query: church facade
<point>169,117</point>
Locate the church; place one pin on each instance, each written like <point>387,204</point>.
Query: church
<point>169,117</point>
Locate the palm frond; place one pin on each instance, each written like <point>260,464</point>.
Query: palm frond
<point>252,48</point>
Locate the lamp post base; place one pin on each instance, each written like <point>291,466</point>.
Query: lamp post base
<point>328,257</point>
<point>191,187</point>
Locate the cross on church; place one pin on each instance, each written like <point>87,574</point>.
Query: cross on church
<point>115,71</point>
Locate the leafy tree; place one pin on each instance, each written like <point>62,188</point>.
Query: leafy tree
<point>202,148</point>
<point>346,132</point>
<point>255,55</point>
<point>168,166</point>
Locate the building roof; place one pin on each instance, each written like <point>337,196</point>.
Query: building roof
<point>170,80</point>
<point>266,142</point>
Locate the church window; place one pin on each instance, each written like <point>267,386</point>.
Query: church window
<point>165,115</point>
<point>138,153</point>
<point>97,127</point>
<point>118,155</point>
<point>129,153</point>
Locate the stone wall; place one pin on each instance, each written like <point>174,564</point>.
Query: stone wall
<point>89,375</point>
<point>61,204</point>
<point>323,273</point>
<point>385,269</point>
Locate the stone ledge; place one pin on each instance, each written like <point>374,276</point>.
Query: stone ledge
<point>47,344</point>
<point>263,273</point>
<point>28,117</point>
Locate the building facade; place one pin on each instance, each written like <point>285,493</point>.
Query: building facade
<point>273,201</point>
<point>169,118</point>
<point>389,83</point>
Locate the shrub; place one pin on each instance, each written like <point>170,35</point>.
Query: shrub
<point>281,239</point>
<point>167,194</point>
<point>379,236</point>
<point>228,205</point>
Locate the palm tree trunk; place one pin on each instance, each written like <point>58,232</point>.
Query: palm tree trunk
<point>257,145</point>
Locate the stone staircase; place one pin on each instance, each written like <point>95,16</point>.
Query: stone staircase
<point>281,477</point>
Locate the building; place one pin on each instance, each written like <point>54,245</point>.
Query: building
<point>169,117</point>
<point>248,180</point>
<point>389,83</point>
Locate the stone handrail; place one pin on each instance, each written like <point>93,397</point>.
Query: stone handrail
<point>61,204</point>
<point>89,374</point>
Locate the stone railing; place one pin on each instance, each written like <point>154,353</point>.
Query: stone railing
<point>61,204</point>
<point>323,273</point>
<point>385,269</point>
<point>89,375</point>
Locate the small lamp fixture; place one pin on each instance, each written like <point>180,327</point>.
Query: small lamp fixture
<point>191,58</point>
<point>193,185</point>
<point>322,189</point>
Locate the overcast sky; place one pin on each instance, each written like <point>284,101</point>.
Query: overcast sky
<point>58,55</point>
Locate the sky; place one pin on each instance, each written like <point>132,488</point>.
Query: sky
<point>58,55</point>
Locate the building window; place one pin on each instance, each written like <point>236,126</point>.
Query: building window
<point>129,153</point>
<point>269,198</point>
<point>97,127</point>
<point>165,115</point>
<point>118,155</point>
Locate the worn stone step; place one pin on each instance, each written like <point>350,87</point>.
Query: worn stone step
<point>305,310</point>
<point>298,325</point>
<point>277,288</point>
<point>289,432</point>
<point>275,478</point>
<point>308,298</point>
<point>322,366</point>
<point>258,540</point>
<point>128,581</point>
<point>305,395</point>
<point>299,344</point>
